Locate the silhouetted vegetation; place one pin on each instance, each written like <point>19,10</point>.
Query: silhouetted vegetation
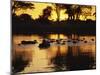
<point>70,61</point>
<point>19,64</point>
<point>21,5</point>
<point>72,26</point>
<point>25,24</point>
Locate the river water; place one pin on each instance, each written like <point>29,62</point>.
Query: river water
<point>66,57</point>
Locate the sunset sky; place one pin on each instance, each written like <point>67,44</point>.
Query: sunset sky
<point>38,10</point>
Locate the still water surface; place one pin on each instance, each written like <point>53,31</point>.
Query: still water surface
<point>65,57</point>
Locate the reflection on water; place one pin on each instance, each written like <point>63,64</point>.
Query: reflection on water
<point>70,55</point>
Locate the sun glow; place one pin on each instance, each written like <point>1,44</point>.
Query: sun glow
<point>39,7</point>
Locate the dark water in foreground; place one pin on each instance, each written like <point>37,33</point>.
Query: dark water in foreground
<point>58,57</point>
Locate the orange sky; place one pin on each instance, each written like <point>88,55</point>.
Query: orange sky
<point>40,6</point>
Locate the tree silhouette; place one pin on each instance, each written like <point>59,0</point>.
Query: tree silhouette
<point>25,18</point>
<point>21,5</point>
<point>77,12</point>
<point>94,14</point>
<point>46,12</point>
<point>57,8</point>
<point>44,18</point>
<point>86,11</point>
<point>74,11</point>
<point>69,11</point>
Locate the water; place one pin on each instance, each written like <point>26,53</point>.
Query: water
<point>58,57</point>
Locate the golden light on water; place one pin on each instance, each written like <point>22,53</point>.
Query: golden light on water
<point>55,36</point>
<point>59,51</point>
<point>39,7</point>
<point>41,60</point>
